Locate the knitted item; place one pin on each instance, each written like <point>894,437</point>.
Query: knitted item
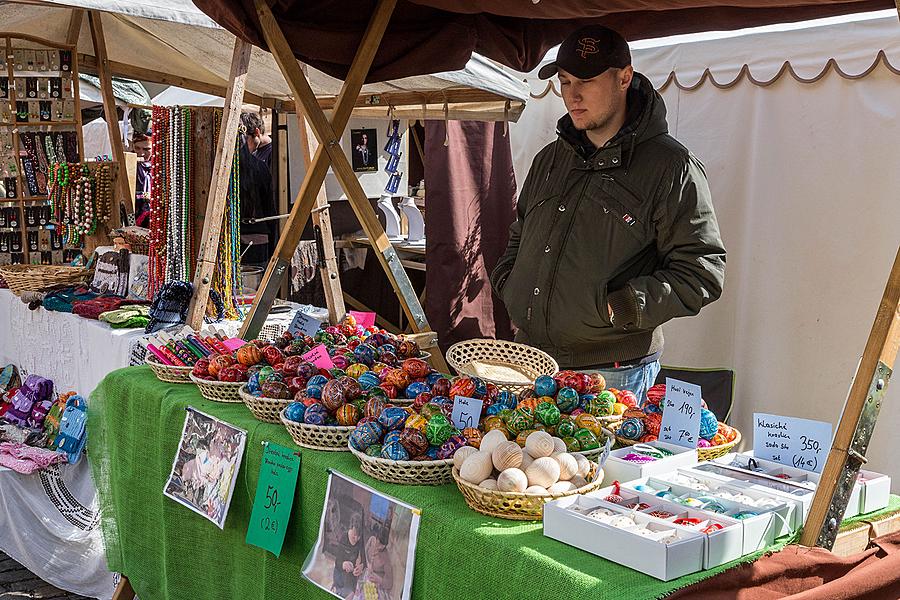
<point>170,305</point>
<point>92,309</point>
<point>25,459</point>
<point>63,300</point>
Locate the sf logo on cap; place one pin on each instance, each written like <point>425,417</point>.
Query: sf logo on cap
<point>587,46</point>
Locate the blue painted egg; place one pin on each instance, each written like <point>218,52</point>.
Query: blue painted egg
<point>432,452</point>
<point>392,436</point>
<point>366,354</point>
<point>416,388</point>
<point>440,400</point>
<point>317,380</point>
<point>314,391</point>
<point>294,411</point>
<point>253,384</point>
<point>545,386</point>
<point>365,435</point>
<point>567,400</point>
<point>709,424</point>
<point>369,380</point>
<point>392,417</point>
<point>315,414</point>
<point>494,409</point>
<point>506,399</point>
<point>394,451</point>
<point>480,387</point>
<point>433,377</point>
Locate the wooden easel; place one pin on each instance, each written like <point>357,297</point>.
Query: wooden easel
<point>328,154</point>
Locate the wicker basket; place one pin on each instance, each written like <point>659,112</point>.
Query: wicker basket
<point>702,453</point>
<point>406,472</point>
<point>333,438</point>
<point>267,410</point>
<point>218,391</point>
<point>34,278</point>
<point>168,373</point>
<point>513,505</point>
<point>508,365</point>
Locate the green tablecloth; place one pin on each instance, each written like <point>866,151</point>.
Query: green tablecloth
<point>168,551</point>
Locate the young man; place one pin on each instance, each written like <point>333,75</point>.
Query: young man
<point>616,232</point>
<point>141,145</point>
<point>258,141</point>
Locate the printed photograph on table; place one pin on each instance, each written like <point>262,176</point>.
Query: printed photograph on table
<point>206,466</point>
<point>367,543</point>
<point>364,144</point>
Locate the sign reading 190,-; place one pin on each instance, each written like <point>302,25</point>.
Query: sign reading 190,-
<point>681,414</point>
<point>274,497</point>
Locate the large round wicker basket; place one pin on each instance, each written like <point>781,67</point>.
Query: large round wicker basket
<point>168,373</point>
<point>333,438</point>
<point>34,278</point>
<point>513,505</point>
<point>218,391</point>
<point>406,472</point>
<point>267,410</point>
<point>702,453</point>
<point>508,365</point>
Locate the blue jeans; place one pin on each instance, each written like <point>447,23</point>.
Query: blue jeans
<point>638,379</point>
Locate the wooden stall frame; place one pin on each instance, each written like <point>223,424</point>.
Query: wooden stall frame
<point>330,153</point>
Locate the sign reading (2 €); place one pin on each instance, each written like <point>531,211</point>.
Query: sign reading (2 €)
<point>681,414</point>
<point>304,323</point>
<point>319,357</point>
<point>466,412</point>
<point>799,443</point>
<point>274,498</point>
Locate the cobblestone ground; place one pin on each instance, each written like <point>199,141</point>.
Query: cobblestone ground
<point>18,583</point>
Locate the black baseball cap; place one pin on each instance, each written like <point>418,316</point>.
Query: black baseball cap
<point>589,52</point>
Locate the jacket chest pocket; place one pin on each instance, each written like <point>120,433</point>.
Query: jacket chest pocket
<point>623,206</point>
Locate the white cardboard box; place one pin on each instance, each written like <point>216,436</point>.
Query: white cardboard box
<point>876,491</point>
<point>722,546</point>
<point>620,470</point>
<point>760,531</point>
<point>773,469</point>
<point>657,559</point>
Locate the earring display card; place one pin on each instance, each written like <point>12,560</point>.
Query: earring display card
<point>40,58</point>
<point>53,57</point>
<point>65,60</point>
<point>31,87</point>
<point>4,87</point>
<point>46,110</point>
<point>69,110</point>
<point>11,191</point>
<point>20,88</point>
<point>43,85</point>
<point>30,60</point>
<point>56,87</point>
<point>19,60</point>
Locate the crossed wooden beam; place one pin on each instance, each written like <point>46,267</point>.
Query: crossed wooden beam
<point>328,154</point>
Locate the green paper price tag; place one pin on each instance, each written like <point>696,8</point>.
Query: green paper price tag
<point>274,498</point>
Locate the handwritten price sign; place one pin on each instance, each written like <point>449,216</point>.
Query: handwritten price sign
<point>466,412</point>
<point>304,323</point>
<point>681,414</point>
<point>274,498</point>
<point>319,357</point>
<point>799,443</point>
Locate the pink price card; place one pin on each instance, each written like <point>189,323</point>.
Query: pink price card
<point>319,357</point>
<point>364,319</point>
<point>233,343</point>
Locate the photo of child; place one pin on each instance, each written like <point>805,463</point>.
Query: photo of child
<point>366,545</point>
<point>206,466</point>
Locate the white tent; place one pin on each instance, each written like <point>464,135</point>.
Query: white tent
<point>171,41</point>
<point>798,130</point>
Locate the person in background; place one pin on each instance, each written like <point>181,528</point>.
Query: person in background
<point>141,145</point>
<point>378,562</point>
<point>348,559</point>
<point>258,141</point>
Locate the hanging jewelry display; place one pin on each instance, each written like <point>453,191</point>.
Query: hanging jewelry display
<point>173,244</point>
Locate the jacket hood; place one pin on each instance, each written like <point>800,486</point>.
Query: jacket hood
<point>646,119</point>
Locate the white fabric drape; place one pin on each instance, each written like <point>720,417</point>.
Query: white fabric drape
<point>65,552</point>
<point>806,186</point>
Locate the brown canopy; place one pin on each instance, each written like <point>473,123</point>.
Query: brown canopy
<point>431,36</point>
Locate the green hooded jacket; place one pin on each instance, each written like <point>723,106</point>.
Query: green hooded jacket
<point>630,224</point>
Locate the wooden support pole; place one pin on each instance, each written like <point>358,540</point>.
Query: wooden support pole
<point>121,190</point>
<point>854,430</point>
<point>315,174</point>
<point>74,31</point>
<point>280,137</point>
<point>328,271</point>
<point>218,187</point>
<point>124,591</point>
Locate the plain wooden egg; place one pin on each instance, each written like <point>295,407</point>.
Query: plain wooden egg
<point>491,440</point>
<point>561,487</point>
<point>578,481</point>
<point>584,465</point>
<point>539,444</point>
<point>543,471</point>
<point>477,467</point>
<point>536,490</point>
<point>512,480</point>
<point>460,456</point>
<point>526,460</point>
<point>559,446</point>
<point>568,466</point>
<point>507,455</point>
<point>488,484</point>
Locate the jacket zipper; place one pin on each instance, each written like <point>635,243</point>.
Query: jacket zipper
<point>562,247</point>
